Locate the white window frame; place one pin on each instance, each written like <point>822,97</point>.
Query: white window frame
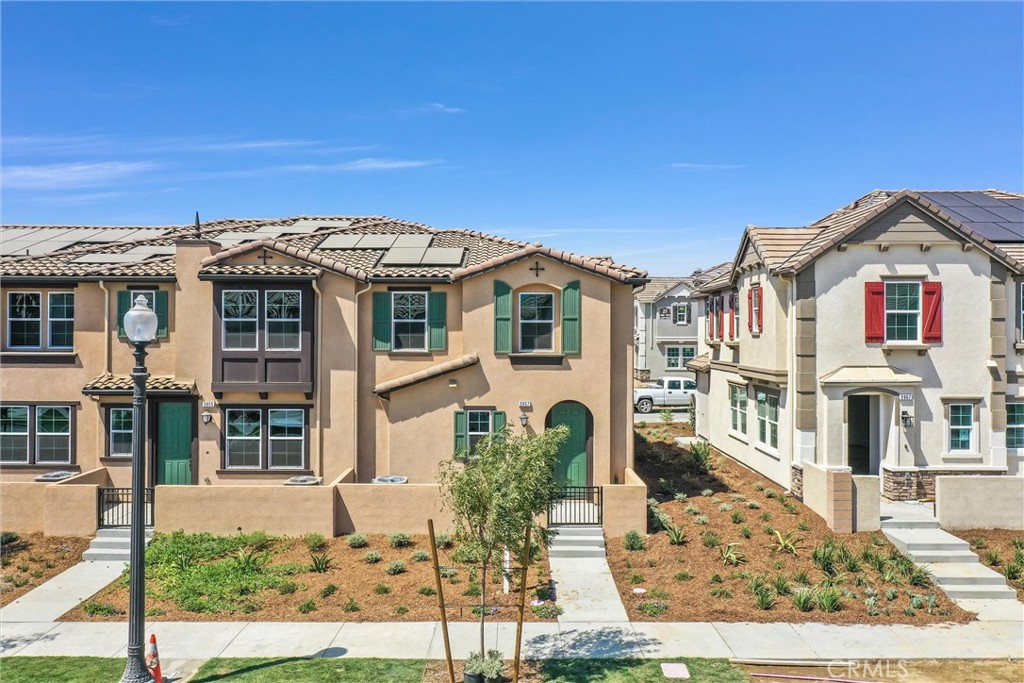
<point>395,321</point>
<point>267,319</point>
<point>25,434</point>
<point>737,319</point>
<point>11,319</point>
<point>550,321</point>
<point>755,308</point>
<point>227,439</point>
<point>40,434</point>
<point>681,308</point>
<point>678,358</point>
<point>271,439</point>
<point>765,420</point>
<point>50,320</point>
<point>973,433</point>
<point>919,311</point>
<point>225,320</point>
<point>1017,426</point>
<point>738,409</point>
<point>111,431</point>
<point>470,445</point>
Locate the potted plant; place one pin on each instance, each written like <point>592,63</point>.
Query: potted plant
<point>480,669</point>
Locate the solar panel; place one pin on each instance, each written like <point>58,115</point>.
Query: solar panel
<point>403,256</point>
<point>237,237</point>
<point>306,226</point>
<point>107,258</point>
<point>344,241</point>
<point>414,240</point>
<point>443,256</point>
<point>376,241</point>
<point>152,250</point>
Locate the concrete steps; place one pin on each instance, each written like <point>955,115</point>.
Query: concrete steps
<point>112,545</point>
<point>578,542</point>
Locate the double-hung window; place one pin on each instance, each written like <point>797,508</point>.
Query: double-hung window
<point>119,427</point>
<point>961,427</point>
<point>61,320</point>
<point>478,426</point>
<point>673,357</point>
<point>409,321</point>
<point>738,408</point>
<point>903,311</point>
<point>754,323</point>
<point>284,320</point>
<point>681,314</point>
<point>767,419</point>
<point>536,322</point>
<point>24,320</point>
<point>249,433</point>
<point>1015,425</point>
<point>36,434</point>
<point>241,319</point>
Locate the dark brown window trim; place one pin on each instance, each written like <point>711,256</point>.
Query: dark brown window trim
<point>39,357</point>
<point>73,453</point>
<point>264,467</point>
<point>112,459</point>
<point>107,407</point>
<point>44,466</point>
<point>540,358</point>
<point>263,472</point>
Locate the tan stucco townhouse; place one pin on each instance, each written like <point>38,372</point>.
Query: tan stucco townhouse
<point>341,349</point>
<point>872,351</point>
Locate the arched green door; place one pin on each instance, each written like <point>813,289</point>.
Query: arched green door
<point>571,468</point>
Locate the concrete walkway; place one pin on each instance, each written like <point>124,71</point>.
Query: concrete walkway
<point>62,593</point>
<point>584,587</point>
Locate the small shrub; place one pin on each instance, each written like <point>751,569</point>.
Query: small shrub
<point>790,508</point>
<point>427,590</point>
<point>692,509</point>
<point>328,590</point>
<point>314,541</point>
<point>633,541</point>
<point>401,609</point>
<point>892,575</point>
<point>766,516</point>
<point>547,611</point>
<point>306,607</point>
<point>356,541</point>
<point>721,592</point>
<point>652,563</point>
<point>96,609</point>
<point>715,578</point>
<point>652,609</point>
<point>851,563</point>
<point>753,505</point>
<point>472,591</point>
<point>757,582</point>
<point>764,599</point>
<point>395,568</point>
<point>701,451</point>
<point>891,594</point>
<point>706,492</point>
<point>737,518</point>
<point>155,612</point>
<point>701,519</point>
<point>745,532</point>
<point>658,594</point>
<point>731,555</point>
<point>382,589</point>
<point>683,576</point>
<point>711,539</point>
<point>979,543</point>
<point>802,578</point>
<point>680,497</point>
<point>448,572</point>
<point>8,537</point>
<point>37,574</point>
<point>759,486</point>
<point>371,557</point>
<point>781,584</point>
<point>319,563</point>
<point>786,543</point>
<point>287,588</point>
<point>443,541</point>
<point>803,600</point>
<point>666,415</point>
<point>803,526</point>
<point>919,577</point>
<point>350,605</point>
<point>993,558</point>
<point>829,600</point>
<point>725,507</point>
<point>400,539</point>
<point>1013,571</point>
<point>635,578</point>
<point>420,556</point>
<point>676,535</point>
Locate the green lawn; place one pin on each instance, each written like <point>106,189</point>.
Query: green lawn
<point>299,670</point>
<point>64,669</point>
<point>636,671</point>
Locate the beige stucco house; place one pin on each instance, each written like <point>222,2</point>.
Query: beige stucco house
<point>872,351</point>
<point>342,349</point>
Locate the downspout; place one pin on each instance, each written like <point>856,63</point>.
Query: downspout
<point>319,378</point>
<point>355,394</point>
<point>791,375</point>
<point>106,327</point>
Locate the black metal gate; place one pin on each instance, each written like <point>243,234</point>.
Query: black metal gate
<point>115,507</point>
<point>577,506</point>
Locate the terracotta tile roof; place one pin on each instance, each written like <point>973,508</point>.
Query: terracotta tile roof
<point>384,389</point>
<point>775,245</point>
<point>261,270</point>
<point>701,363</point>
<point>123,384</point>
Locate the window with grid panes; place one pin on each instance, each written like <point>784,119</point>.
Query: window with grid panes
<point>768,419</point>
<point>961,426</point>
<point>1015,425</point>
<point>902,311</point>
<point>738,408</point>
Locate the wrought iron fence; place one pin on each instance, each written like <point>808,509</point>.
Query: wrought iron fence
<point>577,506</point>
<point>115,507</point>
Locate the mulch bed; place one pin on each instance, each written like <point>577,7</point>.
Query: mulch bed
<point>354,579</point>
<point>33,559</point>
<point>727,490</point>
<point>1000,541</point>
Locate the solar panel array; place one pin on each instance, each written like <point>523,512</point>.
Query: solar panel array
<point>33,241</point>
<point>996,219</point>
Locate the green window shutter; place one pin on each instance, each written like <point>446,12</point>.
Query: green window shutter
<point>124,302</point>
<point>502,317</point>
<point>437,321</point>
<point>460,431</point>
<point>160,303</point>
<point>498,421</point>
<point>382,321</point>
<point>571,306</point>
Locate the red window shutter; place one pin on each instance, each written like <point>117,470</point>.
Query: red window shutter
<point>750,309</point>
<point>931,333</point>
<point>760,310</point>
<point>732,316</point>
<point>721,318</point>
<point>874,312</point>
<point>710,315</point>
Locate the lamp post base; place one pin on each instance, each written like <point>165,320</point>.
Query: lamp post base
<point>135,671</point>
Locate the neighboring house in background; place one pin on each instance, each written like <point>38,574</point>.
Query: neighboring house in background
<point>665,325</point>
<point>341,349</point>
<point>871,351</point>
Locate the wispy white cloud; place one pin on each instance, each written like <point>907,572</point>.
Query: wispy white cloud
<point>77,174</point>
<point>706,167</point>
<point>18,145</point>
<point>430,108</point>
<point>367,164</point>
<point>248,145</point>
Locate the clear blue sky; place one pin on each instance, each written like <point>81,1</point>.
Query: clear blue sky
<point>650,132</point>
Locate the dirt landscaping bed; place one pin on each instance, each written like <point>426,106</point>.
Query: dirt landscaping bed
<point>201,577</point>
<point>1001,550</point>
<point>28,560</point>
<point>751,553</point>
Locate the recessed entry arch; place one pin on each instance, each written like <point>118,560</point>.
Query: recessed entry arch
<point>575,463</point>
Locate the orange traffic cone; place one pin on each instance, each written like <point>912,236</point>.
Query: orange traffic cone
<point>153,660</point>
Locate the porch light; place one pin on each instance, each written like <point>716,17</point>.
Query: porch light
<point>524,419</point>
<point>140,322</point>
<point>207,417</point>
<point>907,419</point>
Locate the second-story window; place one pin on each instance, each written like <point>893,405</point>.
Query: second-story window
<point>903,311</point>
<point>61,321</point>
<point>240,320</point>
<point>536,322</point>
<point>284,320</point>
<point>681,314</point>
<point>755,317</point>
<point>24,320</point>
<point>409,321</point>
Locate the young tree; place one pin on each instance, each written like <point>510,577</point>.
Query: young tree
<point>495,495</point>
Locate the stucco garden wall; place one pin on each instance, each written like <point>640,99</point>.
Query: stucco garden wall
<point>281,510</point>
<point>21,506</point>
<point>979,502</point>
<point>383,508</point>
<point>625,506</point>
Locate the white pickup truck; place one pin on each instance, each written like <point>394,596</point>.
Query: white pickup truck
<point>670,392</point>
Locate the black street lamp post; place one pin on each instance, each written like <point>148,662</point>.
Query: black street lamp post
<point>140,324</point>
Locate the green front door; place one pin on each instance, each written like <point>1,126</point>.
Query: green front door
<point>571,468</point>
<point>174,443</point>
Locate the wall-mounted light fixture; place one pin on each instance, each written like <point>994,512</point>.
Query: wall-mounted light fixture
<point>524,419</point>
<point>907,419</point>
<point>207,416</point>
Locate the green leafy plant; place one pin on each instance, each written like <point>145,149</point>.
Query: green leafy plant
<point>448,572</point>
<point>1013,571</point>
<point>287,588</point>
<point>547,611</point>
<point>802,577</point>
<point>829,600</point>
<point>356,541</point>
<point>636,578</point>
<point>757,582</point>
<point>710,539</point>
<point>721,592</point>
<point>676,535</point>
<point>732,555</point>
<point>706,492</point>
<point>350,605</point>
<point>319,563</point>
<point>701,519</point>
<point>692,509</point>
<point>400,539</point>
<point>715,578</point>
<point>401,609</point>
<point>653,609</point>
<point>979,543</point>
<point>490,666</point>
<point>683,576</point>
<point>306,607</point>
<point>679,497</point>
<point>781,584</point>
<point>420,556</point>
<point>473,590</point>
<point>100,609</point>
<point>753,505</point>
<point>737,518</point>
<point>993,558</point>
<point>764,599</point>
<point>372,557</point>
<point>328,590</point>
<point>314,541</point>
<point>919,577</point>
<point>803,600</point>
<point>786,543</point>
<point>745,532</point>
<point>382,589</point>
<point>155,612</point>
<point>7,537</point>
<point>427,590</point>
<point>701,451</point>
<point>725,507</point>
<point>395,568</point>
<point>891,594</point>
<point>633,541</point>
<point>444,541</point>
<point>766,516</point>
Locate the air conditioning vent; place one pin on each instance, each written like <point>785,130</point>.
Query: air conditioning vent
<point>304,480</point>
<point>391,479</point>
<point>59,475</point>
